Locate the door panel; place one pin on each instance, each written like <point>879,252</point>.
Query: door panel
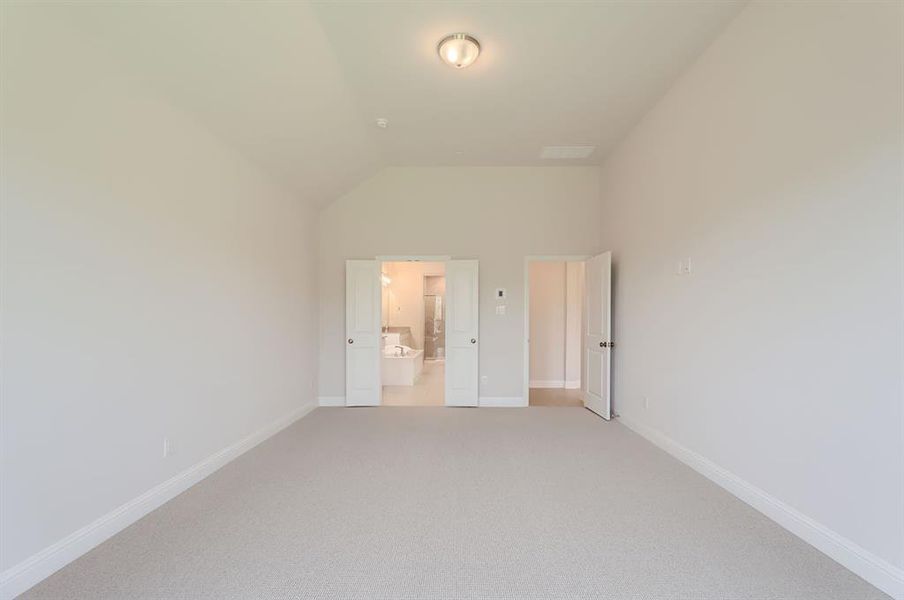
<point>597,336</point>
<point>461,333</point>
<point>362,333</point>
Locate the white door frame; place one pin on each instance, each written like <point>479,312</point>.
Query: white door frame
<point>412,257</point>
<point>526,341</point>
<point>383,258</point>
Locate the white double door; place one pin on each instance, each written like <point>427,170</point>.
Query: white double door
<point>363,386</point>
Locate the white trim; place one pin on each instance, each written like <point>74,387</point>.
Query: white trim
<point>331,401</point>
<point>526,341</point>
<point>872,568</point>
<point>501,401</point>
<point>19,578</point>
<point>574,384</point>
<point>548,383</point>
<point>412,257</point>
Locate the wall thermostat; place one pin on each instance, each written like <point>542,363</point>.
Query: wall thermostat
<point>500,293</point>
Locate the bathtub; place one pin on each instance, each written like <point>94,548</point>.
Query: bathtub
<point>401,370</point>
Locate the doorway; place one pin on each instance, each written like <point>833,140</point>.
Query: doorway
<point>412,360</point>
<point>555,317</point>
<point>567,331</point>
<point>365,282</point>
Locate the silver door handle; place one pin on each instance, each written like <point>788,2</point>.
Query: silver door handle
<point>473,341</point>
<point>351,341</point>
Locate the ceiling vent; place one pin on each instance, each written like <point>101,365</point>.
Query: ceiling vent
<point>565,152</point>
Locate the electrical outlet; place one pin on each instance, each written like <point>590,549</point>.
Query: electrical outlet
<point>167,448</point>
<point>484,379</point>
<point>646,402</point>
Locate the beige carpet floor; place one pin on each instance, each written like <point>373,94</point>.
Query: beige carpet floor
<point>418,503</point>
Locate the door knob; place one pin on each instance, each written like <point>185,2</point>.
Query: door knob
<point>473,341</point>
<point>602,344</point>
<point>351,341</point>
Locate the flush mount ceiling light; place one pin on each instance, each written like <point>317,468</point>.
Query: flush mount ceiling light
<point>458,50</point>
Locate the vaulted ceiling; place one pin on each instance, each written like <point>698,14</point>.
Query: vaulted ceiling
<point>298,86</point>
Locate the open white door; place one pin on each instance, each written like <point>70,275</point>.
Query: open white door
<point>597,341</point>
<point>461,333</point>
<point>362,333</point>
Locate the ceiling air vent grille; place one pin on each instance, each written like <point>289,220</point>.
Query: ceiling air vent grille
<point>565,152</point>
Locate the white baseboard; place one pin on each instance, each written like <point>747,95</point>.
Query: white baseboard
<point>331,400</point>
<point>872,568</point>
<point>32,570</point>
<point>501,401</point>
<point>547,383</point>
<point>555,383</point>
<point>483,401</point>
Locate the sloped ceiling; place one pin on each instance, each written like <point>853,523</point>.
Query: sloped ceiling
<point>298,86</point>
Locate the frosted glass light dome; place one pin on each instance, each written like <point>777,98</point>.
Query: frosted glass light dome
<point>458,50</point>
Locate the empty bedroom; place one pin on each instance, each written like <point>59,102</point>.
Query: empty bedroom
<point>452,300</point>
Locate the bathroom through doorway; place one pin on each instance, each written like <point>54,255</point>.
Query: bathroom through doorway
<point>413,349</point>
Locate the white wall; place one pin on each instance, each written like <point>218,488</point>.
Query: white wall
<point>498,215</point>
<point>547,323</point>
<point>574,324</point>
<point>556,311</point>
<point>775,164</point>
<point>155,283</point>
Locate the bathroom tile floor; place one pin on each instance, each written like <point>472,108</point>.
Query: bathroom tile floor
<point>428,390</point>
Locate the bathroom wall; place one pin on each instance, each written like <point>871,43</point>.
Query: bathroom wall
<point>384,296</point>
